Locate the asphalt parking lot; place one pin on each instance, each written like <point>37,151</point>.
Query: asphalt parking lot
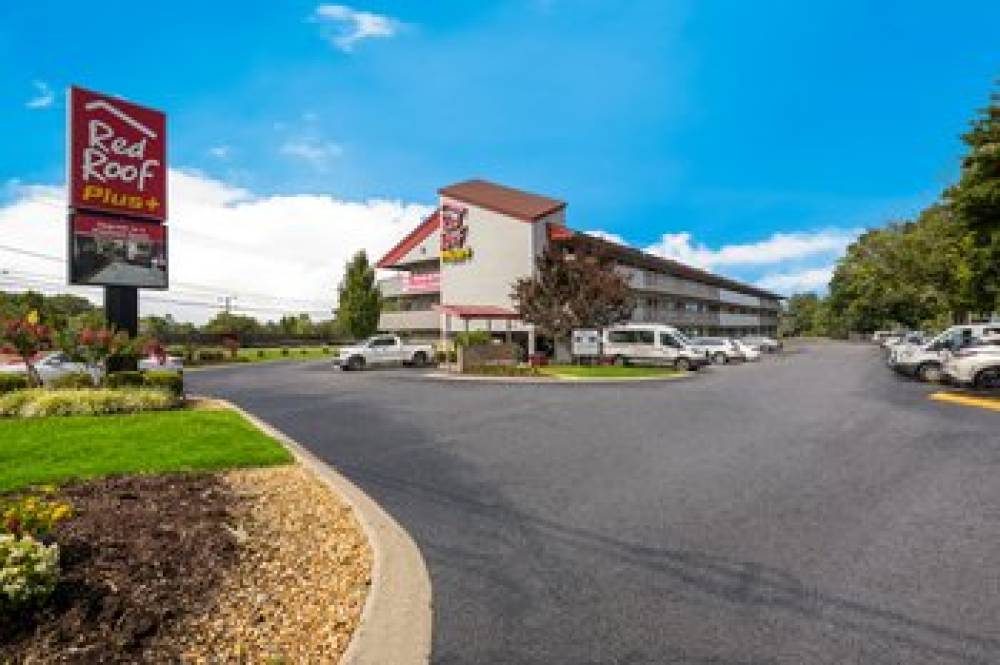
<point>812,508</point>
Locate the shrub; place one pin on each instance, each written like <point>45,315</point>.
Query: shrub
<point>260,353</point>
<point>178,351</point>
<point>92,402</point>
<point>12,403</point>
<point>473,338</point>
<point>504,370</point>
<point>172,382</point>
<point>75,380</point>
<point>10,382</point>
<point>304,351</point>
<point>32,516</point>
<point>123,380</point>
<point>441,356</point>
<point>29,571</point>
<point>326,350</point>
<point>285,351</point>
<point>211,355</point>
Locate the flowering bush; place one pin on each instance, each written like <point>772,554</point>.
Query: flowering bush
<point>29,571</point>
<point>26,337</point>
<point>96,345</point>
<point>32,516</point>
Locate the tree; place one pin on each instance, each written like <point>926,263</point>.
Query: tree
<point>360,302</point>
<point>570,291</point>
<point>232,324</point>
<point>975,200</point>
<point>26,337</point>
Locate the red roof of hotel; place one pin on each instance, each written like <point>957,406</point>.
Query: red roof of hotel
<point>415,237</point>
<point>478,311</point>
<point>515,203</point>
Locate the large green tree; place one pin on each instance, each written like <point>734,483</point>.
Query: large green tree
<point>360,302</point>
<point>975,200</point>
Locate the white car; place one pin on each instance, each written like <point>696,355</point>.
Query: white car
<point>977,365</point>
<point>170,363</point>
<point>749,352</point>
<point>383,350</point>
<point>765,344</point>
<point>651,344</point>
<point>52,366</point>
<point>718,349</point>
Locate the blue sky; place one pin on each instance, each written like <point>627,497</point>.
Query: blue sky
<point>730,122</point>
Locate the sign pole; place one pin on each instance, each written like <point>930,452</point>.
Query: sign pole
<point>121,308</point>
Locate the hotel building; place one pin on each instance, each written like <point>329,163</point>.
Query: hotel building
<point>455,271</point>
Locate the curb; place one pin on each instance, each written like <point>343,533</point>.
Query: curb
<point>552,380</point>
<point>395,624</point>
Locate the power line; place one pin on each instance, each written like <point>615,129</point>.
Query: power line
<point>52,283</point>
<point>212,290</point>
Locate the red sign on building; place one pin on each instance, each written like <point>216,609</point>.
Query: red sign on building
<point>117,156</point>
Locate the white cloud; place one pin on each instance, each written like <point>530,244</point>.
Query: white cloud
<point>809,279</point>
<point>223,240</point>
<point>316,153</point>
<point>610,237</point>
<point>43,96</point>
<point>220,151</point>
<point>344,27</point>
<point>779,247</point>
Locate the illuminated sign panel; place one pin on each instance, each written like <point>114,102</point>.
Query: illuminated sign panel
<point>454,233</point>
<point>111,251</point>
<point>117,157</point>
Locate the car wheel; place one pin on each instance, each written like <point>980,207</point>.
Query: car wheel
<point>682,365</point>
<point>929,373</point>
<point>620,361</point>
<point>419,359</point>
<point>356,363</point>
<point>988,379</point>
<point>719,358</point>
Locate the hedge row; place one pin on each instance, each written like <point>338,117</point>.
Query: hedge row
<point>40,402</point>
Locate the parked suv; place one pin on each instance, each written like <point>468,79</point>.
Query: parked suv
<point>651,344</point>
<point>977,365</point>
<point>926,361</point>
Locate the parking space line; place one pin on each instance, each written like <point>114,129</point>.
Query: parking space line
<point>991,403</point>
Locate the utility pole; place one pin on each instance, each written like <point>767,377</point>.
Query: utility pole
<point>227,303</point>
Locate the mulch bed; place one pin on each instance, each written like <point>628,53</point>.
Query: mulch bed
<point>141,553</point>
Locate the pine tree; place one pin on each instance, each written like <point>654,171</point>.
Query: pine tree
<point>360,302</point>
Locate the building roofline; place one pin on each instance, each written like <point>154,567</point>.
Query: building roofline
<point>502,199</point>
<point>411,240</point>
<point>658,262</point>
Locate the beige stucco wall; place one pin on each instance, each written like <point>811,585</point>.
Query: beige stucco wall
<point>503,250</point>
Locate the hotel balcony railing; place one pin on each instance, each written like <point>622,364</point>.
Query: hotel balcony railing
<point>412,320</point>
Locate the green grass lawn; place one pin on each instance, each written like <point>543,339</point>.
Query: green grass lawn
<point>54,450</point>
<point>294,353</point>
<point>605,372</point>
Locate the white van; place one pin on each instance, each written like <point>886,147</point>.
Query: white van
<point>651,344</point>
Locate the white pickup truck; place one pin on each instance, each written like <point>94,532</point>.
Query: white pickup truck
<point>383,350</point>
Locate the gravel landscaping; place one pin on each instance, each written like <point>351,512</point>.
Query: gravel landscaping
<point>300,583</point>
<point>251,565</point>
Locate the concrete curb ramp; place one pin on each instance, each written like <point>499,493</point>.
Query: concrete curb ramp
<point>395,627</point>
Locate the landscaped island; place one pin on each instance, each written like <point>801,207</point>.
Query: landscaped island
<point>158,529</point>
